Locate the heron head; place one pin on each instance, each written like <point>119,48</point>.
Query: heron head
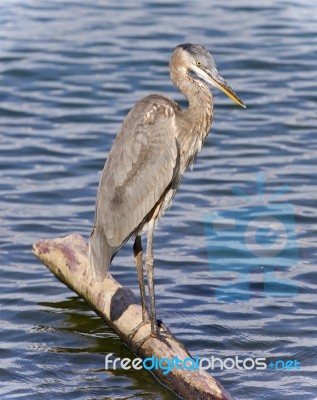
<point>197,59</point>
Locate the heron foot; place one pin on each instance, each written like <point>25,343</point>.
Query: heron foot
<point>161,332</point>
<point>136,329</point>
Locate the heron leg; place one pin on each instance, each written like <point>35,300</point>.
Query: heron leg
<point>149,265</point>
<point>137,249</point>
<point>156,325</point>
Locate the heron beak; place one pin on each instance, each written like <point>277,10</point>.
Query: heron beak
<point>216,80</point>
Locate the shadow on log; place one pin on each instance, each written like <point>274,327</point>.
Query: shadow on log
<point>67,259</point>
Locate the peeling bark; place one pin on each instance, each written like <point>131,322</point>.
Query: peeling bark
<point>67,259</point>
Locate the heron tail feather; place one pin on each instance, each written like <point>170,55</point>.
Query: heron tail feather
<point>100,253</point>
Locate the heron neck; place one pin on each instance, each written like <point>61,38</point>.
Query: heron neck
<point>194,122</point>
<point>199,98</point>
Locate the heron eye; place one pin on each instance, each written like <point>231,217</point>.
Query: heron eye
<point>198,63</point>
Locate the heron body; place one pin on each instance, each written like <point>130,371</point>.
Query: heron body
<point>156,143</point>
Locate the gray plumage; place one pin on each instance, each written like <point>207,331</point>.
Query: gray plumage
<point>156,143</point>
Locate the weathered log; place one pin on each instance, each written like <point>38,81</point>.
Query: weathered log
<point>67,259</point>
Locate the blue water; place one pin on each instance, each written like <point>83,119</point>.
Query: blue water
<point>69,73</point>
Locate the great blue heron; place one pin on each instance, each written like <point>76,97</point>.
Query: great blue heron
<point>156,143</point>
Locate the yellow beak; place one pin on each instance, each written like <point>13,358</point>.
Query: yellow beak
<point>216,80</point>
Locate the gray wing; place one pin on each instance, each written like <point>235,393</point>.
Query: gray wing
<point>141,166</point>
